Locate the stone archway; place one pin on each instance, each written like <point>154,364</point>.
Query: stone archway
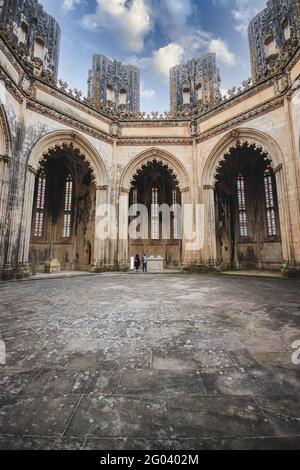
<point>160,155</point>
<point>174,175</point>
<point>65,150</point>
<point>155,185</point>
<point>258,144</point>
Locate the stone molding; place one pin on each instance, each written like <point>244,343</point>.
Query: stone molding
<point>5,158</point>
<point>244,117</point>
<point>68,121</point>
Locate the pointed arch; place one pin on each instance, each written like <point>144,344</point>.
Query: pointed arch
<point>262,141</point>
<point>5,137</point>
<point>77,141</point>
<point>159,155</point>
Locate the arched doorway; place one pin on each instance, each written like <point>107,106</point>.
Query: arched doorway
<point>248,234</point>
<point>63,218</point>
<point>155,186</point>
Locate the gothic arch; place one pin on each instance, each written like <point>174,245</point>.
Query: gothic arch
<point>161,156</point>
<point>263,142</point>
<point>79,143</point>
<point>5,139</point>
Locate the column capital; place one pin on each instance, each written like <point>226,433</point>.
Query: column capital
<point>208,187</point>
<point>278,168</point>
<point>185,190</point>
<point>124,191</point>
<point>32,170</point>
<point>101,188</point>
<point>5,158</point>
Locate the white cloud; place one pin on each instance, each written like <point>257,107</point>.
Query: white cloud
<point>166,58</point>
<point>222,51</point>
<point>172,15</point>
<point>70,4</point>
<point>244,11</point>
<point>130,22</point>
<point>147,93</point>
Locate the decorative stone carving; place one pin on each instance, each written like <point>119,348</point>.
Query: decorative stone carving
<point>278,22</point>
<point>37,26</point>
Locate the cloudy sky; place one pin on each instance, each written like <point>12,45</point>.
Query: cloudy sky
<point>155,35</point>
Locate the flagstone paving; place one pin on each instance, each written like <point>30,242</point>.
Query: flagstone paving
<point>168,362</point>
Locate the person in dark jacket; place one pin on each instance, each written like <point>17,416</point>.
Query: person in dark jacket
<point>145,263</point>
<point>137,263</point>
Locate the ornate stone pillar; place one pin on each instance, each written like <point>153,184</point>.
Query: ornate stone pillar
<point>210,240</point>
<point>25,234</point>
<point>4,183</point>
<point>4,186</point>
<point>123,253</point>
<point>186,215</point>
<point>285,223</point>
<point>101,242</point>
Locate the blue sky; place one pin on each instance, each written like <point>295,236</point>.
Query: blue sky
<point>154,35</point>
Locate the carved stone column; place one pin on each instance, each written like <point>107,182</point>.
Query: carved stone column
<point>185,215</point>
<point>25,235</point>
<point>4,183</point>
<point>101,242</point>
<point>289,269</point>
<point>123,252</point>
<point>210,240</point>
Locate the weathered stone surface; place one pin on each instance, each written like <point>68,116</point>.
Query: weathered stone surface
<point>150,362</point>
<point>153,382</point>
<point>169,417</point>
<point>73,382</point>
<point>40,416</point>
<point>283,413</point>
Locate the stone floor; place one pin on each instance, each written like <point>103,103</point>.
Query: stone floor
<point>150,362</point>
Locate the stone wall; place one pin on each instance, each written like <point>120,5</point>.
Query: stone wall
<point>38,116</point>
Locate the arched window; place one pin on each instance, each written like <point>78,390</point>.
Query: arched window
<point>155,215</point>
<point>134,200</point>
<point>243,223</point>
<point>286,30</point>
<point>39,49</point>
<point>123,97</point>
<point>68,206</point>
<point>40,206</point>
<point>186,96</point>
<point>110,94</point>
<point>23,32</point>
<point>270,204</point>
<point>270,46</point>
<point>199,92</point>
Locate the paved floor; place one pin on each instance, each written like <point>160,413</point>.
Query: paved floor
<point>150,362</point>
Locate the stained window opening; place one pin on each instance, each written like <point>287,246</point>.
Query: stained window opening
<point>243,222</point>
<point>155,215</point>
<point>40,206</point>
<point>135,200</point>
<point>68,207</point>
<point>175,214</point>
<point>270,205</point>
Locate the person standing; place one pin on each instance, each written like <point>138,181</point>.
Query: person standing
<point>137,263</point>
<point>145,263</point>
